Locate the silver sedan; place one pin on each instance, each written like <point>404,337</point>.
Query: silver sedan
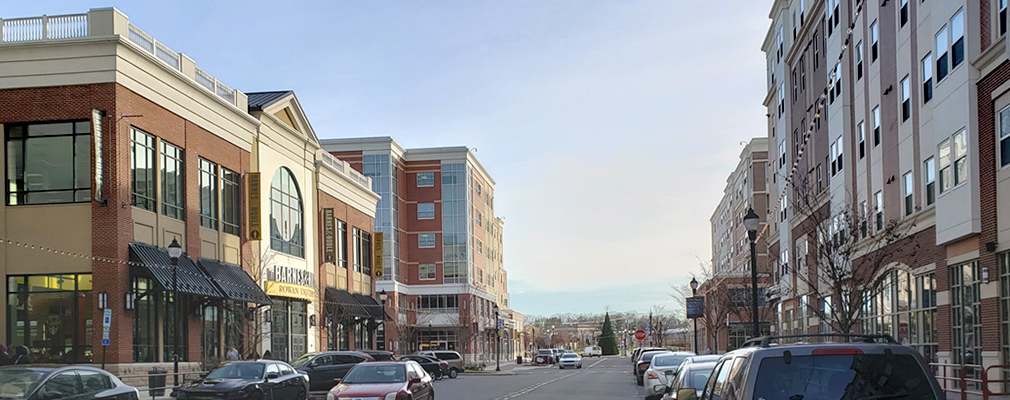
<point>570,360</point>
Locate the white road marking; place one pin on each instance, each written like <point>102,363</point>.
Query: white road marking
<point>532,388</point>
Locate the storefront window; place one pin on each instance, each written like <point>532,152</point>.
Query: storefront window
<point>154,318</point>
<point>51,315</point>
<point>966,321</point>
<point>437,340</point>
<point>905,308</point>
<point>288,328</point>
<point>210,338</point>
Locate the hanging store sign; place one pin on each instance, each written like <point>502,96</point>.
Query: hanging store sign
<point>329,237</point>
<point>695,307</point>
<point>255,229</point>
<point>96,129</point>
<point>377,255</point>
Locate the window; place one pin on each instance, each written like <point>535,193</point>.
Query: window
<point>909,198</point>
<point>966,311</point>
<point>953,152</point>
<point>778,41</point>
<point>64,384</point>
<point>957,39</point>
<point>782,99</point>
<point>782,154</point>
<point>173,186</point>
<point>480,275</point>
<point>362,251</point>
<point>94,381</point>
<point>906,103</point>
<point>426,240</point>
<point>876,126</point>
<point>36,304</point>
<point>927,78</point>
<point>784,261</point>
<point>142,169</point>
<point>1002,17</point>
<point>342,244</point>
<point>478,189</point>
<point>873,41</point>
<point>878,206</point>
<point>426,272</point>
<point>930,170</point>
<point>836,157</point>
<point>425,179</point>
<point>859,60</point>
<point>286,227</point>
<point>231,207</point>
<point>904,12</point>
<point>480,246</point>
<point>941,54</point>
<point>862,139</point>
<point>427,301</point>
<point>48,163</point>
<point>480,219</point>
<point>425,210</point>
<point>208,194</point>
<point>783,208</point>
<point>450,272</point>
<point>862,218</point>
<point>1004,137</point>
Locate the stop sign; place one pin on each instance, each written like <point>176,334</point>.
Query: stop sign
<point>640,334</point>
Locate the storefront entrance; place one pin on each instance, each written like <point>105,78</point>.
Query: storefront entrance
<point>288,329</point>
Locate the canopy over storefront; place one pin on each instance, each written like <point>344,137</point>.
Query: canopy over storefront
<point>157,263</point>
<point>234,282</point>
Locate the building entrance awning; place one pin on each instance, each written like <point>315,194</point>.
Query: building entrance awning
<point>192,279</point>
<point>234,281</point>
<point>341,303</point>
<point>373,307</point>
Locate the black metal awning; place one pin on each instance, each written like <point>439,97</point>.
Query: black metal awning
<point>192,279</point>
<point>342,303</point>
<point>373,307</point>
<point>234,281</point>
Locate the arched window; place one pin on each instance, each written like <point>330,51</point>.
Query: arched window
<point>286,232</point>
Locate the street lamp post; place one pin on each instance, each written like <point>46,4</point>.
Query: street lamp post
<point>694,293</point>
<point>497,332</point>
<point>174,252</point>
<point>751,221</point>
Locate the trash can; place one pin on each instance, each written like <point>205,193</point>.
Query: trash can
<point>156,382</point>
<point>519,360</point>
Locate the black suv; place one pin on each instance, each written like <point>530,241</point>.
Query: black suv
<point>323,367</point>
<point>859,367</point>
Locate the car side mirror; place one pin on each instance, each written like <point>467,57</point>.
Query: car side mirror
<point>415,380</point>
<point>660,388</point>
<point>312,364</point>
<point>336,381</point>
<point>687,394</point>
<point>272,375</point>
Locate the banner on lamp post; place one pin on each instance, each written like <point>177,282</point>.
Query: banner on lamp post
<point>695,307</point>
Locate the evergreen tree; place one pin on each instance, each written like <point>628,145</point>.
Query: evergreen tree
<point>608,342</point>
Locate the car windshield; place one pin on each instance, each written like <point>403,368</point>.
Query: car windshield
<point>364,373</point>
<point>15,383</point>
<point>304,359</point>
<point>648,356</point>
<point>842,376</point>
<point>245,370</point>
<point>570,355</point>
<point>545,352</point>
<point>696,377</point>
<point>669,360</point>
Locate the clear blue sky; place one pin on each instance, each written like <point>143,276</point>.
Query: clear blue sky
<point>609,126</point>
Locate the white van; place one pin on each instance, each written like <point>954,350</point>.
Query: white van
<point>592,351</point>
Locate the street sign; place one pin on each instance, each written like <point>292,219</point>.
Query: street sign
<point>696,307</point>
<point>640,334</point>
<point>106,325</point>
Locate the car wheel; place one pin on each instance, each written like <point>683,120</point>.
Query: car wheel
<point>561,366</point>
<point>640,381</point>
<point>256,396</point>
<point>301,394</point>
<point>438,375</point>
<point>453,373</point>
<point>580,366</point>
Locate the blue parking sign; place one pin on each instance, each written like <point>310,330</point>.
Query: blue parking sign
<point>105,342</point>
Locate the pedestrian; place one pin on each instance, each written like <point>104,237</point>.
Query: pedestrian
<point>267,355</point>
<point>5,359</point>
<point>21,355</point>
<point>232,354</point>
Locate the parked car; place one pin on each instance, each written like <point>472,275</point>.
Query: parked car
<point>691,375</point>
<point>592,351</point>
<point>699,359</point>
<point>384,380</point>
<point>638,354</point>
<point>544,356</point>
<point>254,380</point>
<point>40,383</point>
<point>863,367</point>
<point>453,358</point>
<point>380,355</point>
<point>570,360</point>
<point>643,363</point>
<point>322,367</point>
<point>433,366</point>
<point>662,370</point>
<point>558,353</point>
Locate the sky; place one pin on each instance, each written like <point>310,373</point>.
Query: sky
<point>609,127</point>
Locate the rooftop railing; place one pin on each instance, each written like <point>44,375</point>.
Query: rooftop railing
<point>43,28</point>
<point>344,168</point>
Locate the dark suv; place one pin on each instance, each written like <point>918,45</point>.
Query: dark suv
<point>859,367</point>
<point>323,367</point>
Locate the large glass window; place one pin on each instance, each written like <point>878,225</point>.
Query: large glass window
<point>288,328</point>
<point>48,163</point>
<point>142,170</point>
<point>208,194</point>
<point>173,187</point>
<point>231,197</point>
<point>52,316</point>
<point>905,308</point>
<point>1004,302</point>
<point>965,309</point>
<point>384,170</point>
<point>362,251</point>
<point>286,232</point>
<point>457,224</point>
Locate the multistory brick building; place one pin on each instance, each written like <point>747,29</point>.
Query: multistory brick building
<point>116,146</point>
<point>889,117</point>
<point>443,257</point>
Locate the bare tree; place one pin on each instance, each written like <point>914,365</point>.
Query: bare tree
<point>841,251</point>
<point>247,322</point>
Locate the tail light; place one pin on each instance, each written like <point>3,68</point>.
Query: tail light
<point>652,375</point>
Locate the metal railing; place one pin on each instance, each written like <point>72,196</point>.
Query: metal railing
<point>44,27</point>
<point>171,58</point>
<point>166,389</point>
<point>961,379</point>
<point>342,167</point>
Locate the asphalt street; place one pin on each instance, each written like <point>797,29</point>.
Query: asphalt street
<point>606,378</point>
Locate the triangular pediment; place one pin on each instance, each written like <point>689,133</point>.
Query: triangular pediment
<point>285,107</point>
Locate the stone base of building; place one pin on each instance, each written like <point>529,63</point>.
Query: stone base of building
<point>137,374</point>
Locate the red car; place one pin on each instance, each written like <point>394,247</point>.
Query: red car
<point>387,380</point>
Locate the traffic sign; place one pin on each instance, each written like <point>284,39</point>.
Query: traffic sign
<point>640,334</point>
<point>106,325</point>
